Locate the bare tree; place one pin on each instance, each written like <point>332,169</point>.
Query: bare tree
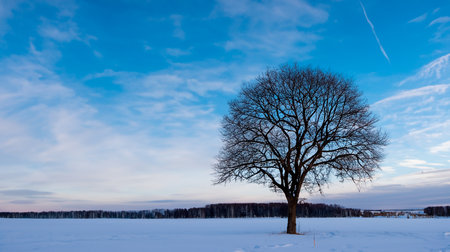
<point>293,127</point>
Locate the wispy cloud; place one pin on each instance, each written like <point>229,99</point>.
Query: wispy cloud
<point>392,197</point>
<point>418,121</point>
<point>436,70</point>
<point>187,81</point>
<point>434,129</point>
<point>299,13</point>
<point>413,190</point>
<point>176,52</point>
<point>147,48</point>
<point>419,164</point>
<point>23,202</point>
<point>436,67</point>
<point>178,31</point>
<point>161,124</point>
<point>388,169</point>
<point>54,140</point>
<point>442,147</point>
<point>24,192</point>
<point>423,91</point>
<point>440,20</point>
<point>442,28</point>
<point>277,28</point>
<point>6,12</point>
<point>422,178</point>
<point>419,19</point>
<point>60,31</point>
<point>62,28</point>
<point>65,8</point>
<point>374,33</point>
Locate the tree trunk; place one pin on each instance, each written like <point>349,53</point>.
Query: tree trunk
<point>292,217</point>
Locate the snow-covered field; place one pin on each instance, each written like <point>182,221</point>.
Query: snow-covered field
<point>259,234</point>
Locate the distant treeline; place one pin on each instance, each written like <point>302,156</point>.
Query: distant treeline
<point>235,210</point>
<point>437,210</point>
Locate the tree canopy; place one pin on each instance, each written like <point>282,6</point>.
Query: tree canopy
<point>293,127</point>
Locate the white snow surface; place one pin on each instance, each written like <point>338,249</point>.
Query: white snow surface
<point>249,234</point>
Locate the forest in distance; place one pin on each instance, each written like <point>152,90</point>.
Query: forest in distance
<point>224,210</point>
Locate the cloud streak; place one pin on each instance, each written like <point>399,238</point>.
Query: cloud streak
<point>374,33</point>
<point>423,91</point>
<point>440,20</point>
<point>393,197</point>
<point>277,28</point>
<point>25,193</point>
<point>419,164</point>
<point>436,70</point>
<point>413,190</point>
<point>443,147</point>
<point>419,19</point>
<point>436,67</point>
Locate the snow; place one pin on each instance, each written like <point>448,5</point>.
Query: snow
<point>250,234</point>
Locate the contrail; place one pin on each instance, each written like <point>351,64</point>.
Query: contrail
<point>374,33</point>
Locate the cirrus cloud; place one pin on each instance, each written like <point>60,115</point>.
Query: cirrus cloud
<point>275,27</point>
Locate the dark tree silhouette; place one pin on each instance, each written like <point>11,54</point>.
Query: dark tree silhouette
<point>293,127</point>
<point>229,210</point>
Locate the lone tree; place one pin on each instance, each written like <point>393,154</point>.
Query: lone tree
<point>293,127</point>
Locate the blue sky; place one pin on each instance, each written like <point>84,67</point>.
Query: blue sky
<point>117,104</point>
